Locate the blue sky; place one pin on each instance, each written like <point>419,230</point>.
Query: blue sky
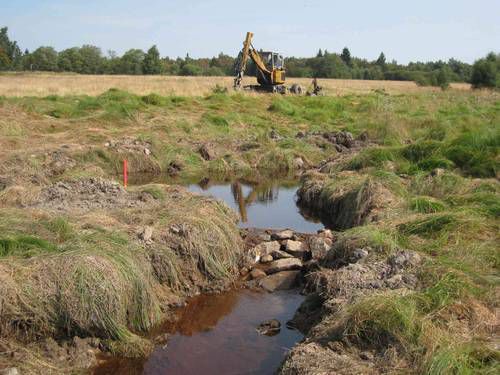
<point>423,30</point>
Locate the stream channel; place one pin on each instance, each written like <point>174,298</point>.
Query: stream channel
<point>216,334</point>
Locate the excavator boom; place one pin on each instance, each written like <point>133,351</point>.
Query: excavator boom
<point>242,64</point>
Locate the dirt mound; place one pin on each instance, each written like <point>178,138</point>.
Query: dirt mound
<point>89,194</point>
<point>57,162</point>
<point>130,145</point>
<point>313,358</point>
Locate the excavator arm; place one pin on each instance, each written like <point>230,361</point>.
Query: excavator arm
<point>248,51</point>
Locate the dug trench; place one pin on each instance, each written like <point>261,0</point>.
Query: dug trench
<point>243,330</point>
<point>181,249</point>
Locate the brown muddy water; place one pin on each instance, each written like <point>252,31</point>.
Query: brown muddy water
<point>216,334</point>
<point>267,204</point>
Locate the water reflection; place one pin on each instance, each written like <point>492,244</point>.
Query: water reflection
<point>261,194</point>
<point>270,204</point>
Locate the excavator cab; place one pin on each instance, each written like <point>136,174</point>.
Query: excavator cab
<point>275,74</point>
<point>273,60</point>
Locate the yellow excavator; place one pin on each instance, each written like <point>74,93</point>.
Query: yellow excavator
<point>270,67</point>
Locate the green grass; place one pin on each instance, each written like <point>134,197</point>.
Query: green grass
<point>462,134</point>
<point>428,226</point>
<point>25,246</point>
<point>443,164</point>
<point>426,205</point>
<point>155,191</point>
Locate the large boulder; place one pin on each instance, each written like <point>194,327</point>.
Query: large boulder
<point>286,264</point>
<point>296,248</point>
<point>319,246</point>
<point>262,249</point>
<point>278,254</point>
<point>283,235</point>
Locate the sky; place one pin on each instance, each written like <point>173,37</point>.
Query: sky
<point>422,30</point>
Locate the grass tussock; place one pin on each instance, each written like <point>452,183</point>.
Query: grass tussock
<point>414,324</point>
<point>346,200</point>
<point>73,277</point>
<point>426,205</point>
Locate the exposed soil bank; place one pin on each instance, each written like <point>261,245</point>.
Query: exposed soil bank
<point>345,201</point>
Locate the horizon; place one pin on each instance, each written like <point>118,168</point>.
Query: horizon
<point>453,30</point>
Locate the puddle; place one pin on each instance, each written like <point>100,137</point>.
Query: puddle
<point>270,204</point>
<point>216,334</point>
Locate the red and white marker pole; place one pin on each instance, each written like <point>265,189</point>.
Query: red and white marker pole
<point>125,173</point>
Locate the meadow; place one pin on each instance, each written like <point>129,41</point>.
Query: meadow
<point>44,84</point>
<point>435,153</point>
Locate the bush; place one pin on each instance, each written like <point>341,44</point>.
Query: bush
<point>485,71</point>
<point>190,70</point>
<point>443,79</point>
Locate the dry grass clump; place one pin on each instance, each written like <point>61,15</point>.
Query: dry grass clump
<point>199,234</point>
<point>429,344</point>
<point>80,293</point>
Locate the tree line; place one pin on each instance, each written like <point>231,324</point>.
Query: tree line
<point>89,59</point>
